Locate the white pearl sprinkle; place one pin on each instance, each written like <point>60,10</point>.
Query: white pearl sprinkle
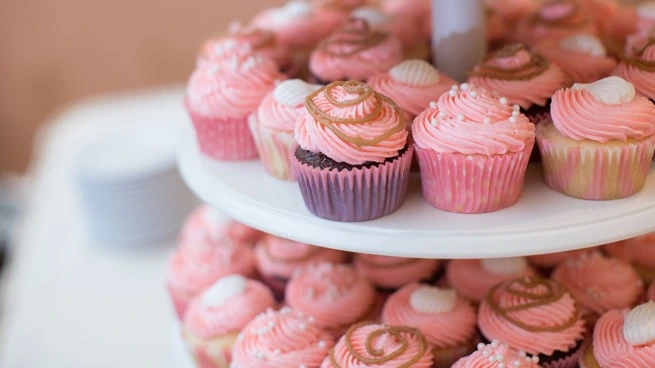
<point>503,101</point>
<point>492,358</point>
<point>500,357</point>
<point>516,107</point>
<point>460,117</point>
<point>442,114</point>
<point>277,352</point>
<point>271,324</point>
<point>480,346</point>
<point>464,86</point>
<point>322,344</point>
<point>517,363</point>
<point>434,122</point>
<point>512,120</point>
<point>486,352</point>
<point>473,94</point>
<point>487,120</point>
<point>285,310</point>
<point>522,353</point>
<point>501,365</point>
<point>535,359</point>
<point>452,93</point>
<point>302,366</point>
<point>302,326</point>
<point>433,104</point>
<point>214,69</point>
<point>311,319</point>
<point>516,113</point>
<point>454,87</point>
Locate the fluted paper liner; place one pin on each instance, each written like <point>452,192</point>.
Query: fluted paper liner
<point>213,353</point>
<point>274,147</point>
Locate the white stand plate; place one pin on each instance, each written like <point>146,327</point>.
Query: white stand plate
<point>543,221</point>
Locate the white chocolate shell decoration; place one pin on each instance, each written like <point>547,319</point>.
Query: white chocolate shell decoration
<point>610,90</point>
<point>585,43</point>
<point>505,266</point>
<point>295,9</point>
<point>372,16</point>
<point>433,300</point>
<point>639,325</point>
<point>223,290</point>
<point>293,92</point>
<point>646,10</point>
<point>415,72</point>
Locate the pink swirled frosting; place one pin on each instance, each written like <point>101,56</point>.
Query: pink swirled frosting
<point>394,272</point>
<point>599,283</point>
<point>550,260</point>
<point>555,19</point>
<point>638,64</point>
<point>406,29</point>
<point>531,314</point>
<point>523,77</point>
<point>335,295</point>
<point>349,122</point>
<point>603,111</point>
<point>637,250</point>
<point>234,89</point>
<point>369,345</point>
<point>282,107</point>
<point>281,339</point>
<point>497,355</point>
<point>411,84</point>
<point>457,322</point>
<point>207,320</point>
<point>611,349</point>
<point>355,51</point>
<point>472,120</point>
<point>206,223</point>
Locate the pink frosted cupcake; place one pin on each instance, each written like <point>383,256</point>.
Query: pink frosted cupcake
<point>600,143</point>
<point>354,51</point>
<point>555,19</point>
<point>624,338</point>
<point>639,252</point>
<point>335,295</point>
<point>369,345</point>
<point>412,84</point>
<point>220,97</point>
<point>473,278</point>
<point>206,223</point>
<point>353,160</point>
<point>546,262</point>
<point>390,273</point>
<point>582,57</point>
<point>525,78</point>
<point>599,284</point>
<point>196,266</point>
<point>272,125</point>
<point>424,307</point>
<point>497,355</point>
<point>473,150</point>
<point>281,339</point>
<point>277,258</point>
<point>537,316</point>
<point>637,64</point>
<point>215,318</point>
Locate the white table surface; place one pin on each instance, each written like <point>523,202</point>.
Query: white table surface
<point>66,301</point>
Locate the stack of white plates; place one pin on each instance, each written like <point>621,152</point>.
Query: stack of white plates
<point>130,187</point>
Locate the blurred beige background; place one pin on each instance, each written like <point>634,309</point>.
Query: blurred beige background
<point>53,52</point>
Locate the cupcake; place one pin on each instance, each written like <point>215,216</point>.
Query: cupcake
<point>599,283</point>
<point>497,355</point>
<point>546,262</point>
<point>215,318</point>
<point>219,99</point>
<point>537,316</point>
<point>272,125</point>
<point>582,57</point>
<point>196,266</point>
<point>369,345</point>
<point>624,338</point>
<point>206,223</point>
<point>277,258</point>
<point>473,150</point>
<point>639,252</point>
<point>334,295</point>
<point>412,84</point>
<point>555,19</point>
<point>354,51</point>
<point>473,278</point>
<point>599,144</point>
<point>650,294</point>
<point>425,307</point>
<point>281,339</point>
<point>525,78</point>
<point>353,160</point>
<point>391,273</point>
<point>637,65</point>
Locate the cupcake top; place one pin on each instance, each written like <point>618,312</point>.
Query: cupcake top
<point>281,107</point>
<point>472,120</point>
<point>555,19</point>
<point>195,267</point>
<point>626,338</point>
<point>650,294</point>
<point>355,51</point>
<point>525,78</point>
<point>406,29</point>
<point>600,283</point>
<point>638,64</point>
<point>583,57</point>
<point>427,306</point>
<point>497,355</point>
<point>606,110</point>
<point>370,345</point>
<point>349,122</point>
<point>226,307</point>
<point>279,257</point>
<point>637,250</point>
<point>281,339</point>
<point>394,272</point>
<point>532,314</point>
<point>550,260</point>
<point>473,278</point>
<point>234,89</point>
<point>412,84</point>
<point>206,223</point>
<point>335,295</point>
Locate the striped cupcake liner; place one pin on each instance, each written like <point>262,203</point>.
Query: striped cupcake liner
<point>274,149</point>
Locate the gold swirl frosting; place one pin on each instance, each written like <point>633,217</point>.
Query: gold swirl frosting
<point>354,36</point>
<point>489,68</point>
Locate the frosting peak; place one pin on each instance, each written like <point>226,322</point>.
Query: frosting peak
<point>293,92</point>
<point>290,11</point>
<point>639,325</point>
<point>223,290</point>
<point>586,43</point>
<point>433,300</point>
<point>611,90</point>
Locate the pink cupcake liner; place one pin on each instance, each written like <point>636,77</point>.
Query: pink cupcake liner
<point>359,194</point>
<point>274,149</point>
<point>223,139</point>
<point>605,172</point>
<point>461,183</point>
